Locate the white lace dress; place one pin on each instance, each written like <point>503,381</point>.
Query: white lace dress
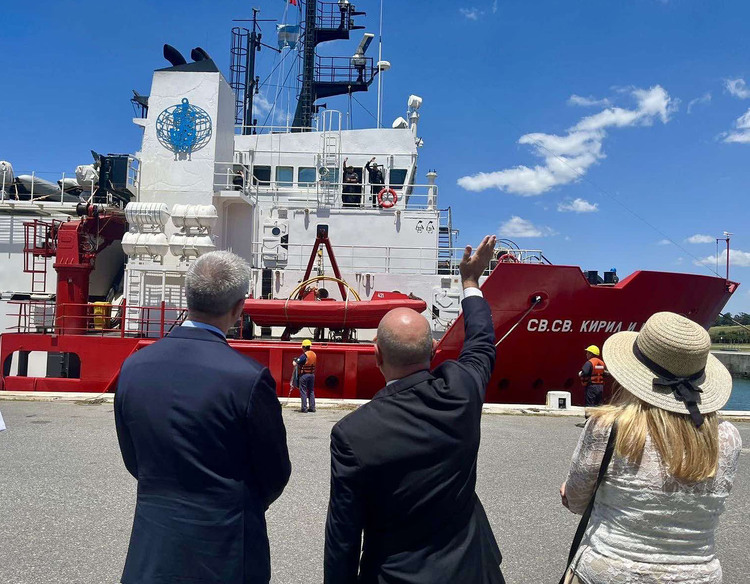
<point>646,527</point>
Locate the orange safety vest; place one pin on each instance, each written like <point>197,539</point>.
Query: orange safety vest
<point>309,366</point>
<point>597,371</point>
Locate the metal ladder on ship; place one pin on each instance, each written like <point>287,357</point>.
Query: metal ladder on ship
<point>40,244</point>
<point>132,319</point>
<point>330,158</point>
<point>445,242</point>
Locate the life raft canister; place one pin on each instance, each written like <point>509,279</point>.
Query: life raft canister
<point>392,198</point>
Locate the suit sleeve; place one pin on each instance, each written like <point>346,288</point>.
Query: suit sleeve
<point>269,456</point>
<point>478,352</point>
<point>123,434</point>
<point>345,514</point>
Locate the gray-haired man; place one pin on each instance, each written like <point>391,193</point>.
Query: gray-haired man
<point>200,427</point>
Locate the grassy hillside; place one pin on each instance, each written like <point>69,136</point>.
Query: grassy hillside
<point>730,337</point>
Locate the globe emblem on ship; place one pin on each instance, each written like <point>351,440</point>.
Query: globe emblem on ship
<point>183,128</point>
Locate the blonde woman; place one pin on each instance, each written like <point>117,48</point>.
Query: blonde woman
<point>658,505</point>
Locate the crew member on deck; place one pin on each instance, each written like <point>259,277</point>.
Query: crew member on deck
<point>592,376</point>
<point>351,188</point>
<point>377,181</point>
<point>306,366</point>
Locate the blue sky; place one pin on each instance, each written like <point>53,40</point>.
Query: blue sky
<point>573,127</point>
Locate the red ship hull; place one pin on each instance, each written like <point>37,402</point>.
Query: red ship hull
<point>543,353</point>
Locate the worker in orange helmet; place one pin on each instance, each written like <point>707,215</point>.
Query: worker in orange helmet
<point>306,364</point>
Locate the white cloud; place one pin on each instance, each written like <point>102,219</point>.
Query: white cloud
<point>737,258</point>
<point>589,101</point>
<point>471,13</point>
<point>494,7</point>
<point>517,227</point>
<point>705,98</point>
<point>737,87</point>
<point>663,242</point>
<point>264,106</point>
<point>261,104</point>
<point>578,206</point>
<point>741,133</point>
<point>568,157</point>
<point>698,238</point>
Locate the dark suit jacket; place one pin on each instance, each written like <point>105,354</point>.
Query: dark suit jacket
<point>403,470</point>
<point>200,427</point>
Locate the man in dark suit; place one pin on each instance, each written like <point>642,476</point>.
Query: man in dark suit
<point>200,427</point>
<point>403,466</point>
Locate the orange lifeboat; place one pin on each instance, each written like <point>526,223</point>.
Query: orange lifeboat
<point>329,313</point>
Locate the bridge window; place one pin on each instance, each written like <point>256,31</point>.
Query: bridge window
<point>284,176</point>
<point>262,175</point>
<point>397,178</point>
<point>307,176</point>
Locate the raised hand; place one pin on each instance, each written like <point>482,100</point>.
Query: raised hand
<point>473,266</point>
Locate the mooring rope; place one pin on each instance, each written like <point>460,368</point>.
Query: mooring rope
<point>536,300</point>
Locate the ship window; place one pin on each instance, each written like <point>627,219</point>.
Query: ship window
<point>262,175</point>
<point>307,176</point>
<point>284,176</point>
<point>397,178</point>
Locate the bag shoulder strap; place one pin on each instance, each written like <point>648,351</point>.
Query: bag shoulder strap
<point>587,514</point>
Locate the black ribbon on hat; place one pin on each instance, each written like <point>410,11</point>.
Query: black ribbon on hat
<point>683,388</point>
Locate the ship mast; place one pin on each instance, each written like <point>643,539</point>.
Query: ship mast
<point>727,237</point>
<point>251,83</point>
<point>245,43</point>
<point>329,76</point>
<point>305,105</point>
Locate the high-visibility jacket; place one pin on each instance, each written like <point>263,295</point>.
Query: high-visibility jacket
<point>597,371</point>
<point>309,365</point>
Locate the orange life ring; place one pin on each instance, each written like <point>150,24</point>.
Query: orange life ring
<point>507,258</point>
<point>387,203</point>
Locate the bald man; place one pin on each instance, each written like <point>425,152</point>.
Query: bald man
<point>403,466</point>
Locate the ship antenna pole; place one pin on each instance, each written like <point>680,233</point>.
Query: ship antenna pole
<point>380,73</point>
<point>728,236</point>
<point>251,83</point>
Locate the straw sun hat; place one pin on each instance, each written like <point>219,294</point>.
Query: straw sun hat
<point>668,365</point>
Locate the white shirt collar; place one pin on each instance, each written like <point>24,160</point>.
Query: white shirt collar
<point>203,325</point>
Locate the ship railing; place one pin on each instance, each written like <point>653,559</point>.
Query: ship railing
<point>363,259</point>
<point>328,194</point>
<point>241,129</point>
<point>97,319</point>
<point>40,190</point>
<point>134,177</point>
<point>348,70</point>
<point>60,192</point>
<point>234,177</point>
<point>334,15</point>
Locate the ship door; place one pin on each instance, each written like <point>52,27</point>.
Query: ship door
<point>275,250</point>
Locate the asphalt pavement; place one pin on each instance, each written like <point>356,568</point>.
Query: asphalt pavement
<point>66,500</point>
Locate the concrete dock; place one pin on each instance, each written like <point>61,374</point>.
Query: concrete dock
<point>66,501</point>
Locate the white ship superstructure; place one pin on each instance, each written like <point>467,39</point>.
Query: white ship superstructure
<point>273,189</point>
